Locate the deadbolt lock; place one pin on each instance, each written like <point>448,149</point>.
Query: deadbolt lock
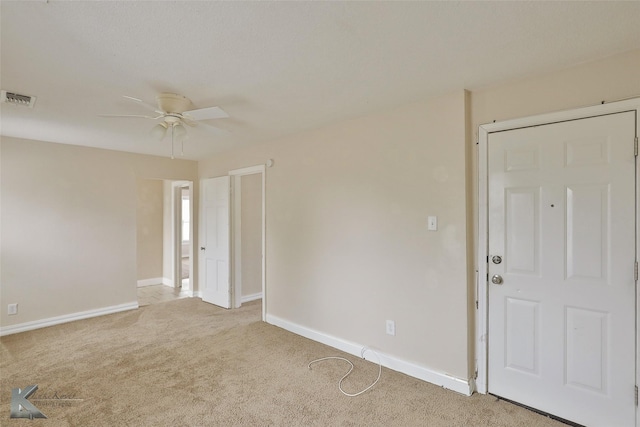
<point>496,259</point>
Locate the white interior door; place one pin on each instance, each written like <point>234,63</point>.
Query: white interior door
<point>562,220</point>
<point>214,241</point>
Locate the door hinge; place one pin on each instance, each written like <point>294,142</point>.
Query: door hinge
<point>476,304</point>
<point>635,147</point>
<point>635,271</point>
<point>636,397</point>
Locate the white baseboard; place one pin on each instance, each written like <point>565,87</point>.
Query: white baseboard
<point>252,297</point>
<point>167,282</point>
<point>43,323</point>
<point>150,282</point>
<point>417,371</point>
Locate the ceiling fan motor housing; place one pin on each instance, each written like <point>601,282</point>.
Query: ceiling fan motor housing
<point>173,103</point>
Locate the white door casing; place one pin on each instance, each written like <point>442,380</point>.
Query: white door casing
<point>561,214</point>
<point>214,241</point>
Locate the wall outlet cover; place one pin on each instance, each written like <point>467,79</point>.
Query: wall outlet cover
<point>12,309</point>
<point>391,327</point>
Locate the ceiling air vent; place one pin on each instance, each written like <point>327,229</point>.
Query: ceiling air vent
<point>17,99</point>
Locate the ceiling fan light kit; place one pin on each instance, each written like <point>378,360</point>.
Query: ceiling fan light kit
<point>159,130</point>
<point>173,113</point>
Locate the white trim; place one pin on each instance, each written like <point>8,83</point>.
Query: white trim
<point>637,261</point>
<point>563,116</point>
<point>151,282</point>
<point>248,171</point>
<point>189,293</point>
<point>236,210</point>
<point>483,138</point>
<point>43,323</point>
<point>251,297</point>
<point>483,241</point>
<point>167,282</point>
<point>236,240</point>
<point>412,369</point>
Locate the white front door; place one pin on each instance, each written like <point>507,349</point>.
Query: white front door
<point>562,222</point>
<point>214,241</point>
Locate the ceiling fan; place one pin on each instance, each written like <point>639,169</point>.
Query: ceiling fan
<point>173,115</point>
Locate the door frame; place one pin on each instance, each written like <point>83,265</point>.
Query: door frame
<point>482,289</point>
<point>236,247</point>
<point>176,233</point>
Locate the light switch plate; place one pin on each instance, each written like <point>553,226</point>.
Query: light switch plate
<point>432,223</point>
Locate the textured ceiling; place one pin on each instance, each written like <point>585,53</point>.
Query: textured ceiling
<point>277,68</point>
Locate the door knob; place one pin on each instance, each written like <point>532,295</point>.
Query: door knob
<point>496,279</point>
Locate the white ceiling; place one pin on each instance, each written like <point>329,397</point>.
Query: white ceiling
<point>277,68</point>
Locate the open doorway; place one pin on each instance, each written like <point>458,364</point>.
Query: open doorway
<point>185,237</point>
<point>178,234</point>
<point>248,241</point>
<point>164,240</point>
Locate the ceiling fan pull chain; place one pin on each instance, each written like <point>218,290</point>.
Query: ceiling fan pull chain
<point>172,157</point>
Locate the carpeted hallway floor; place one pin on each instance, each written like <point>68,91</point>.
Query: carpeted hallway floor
<point>188,363</point>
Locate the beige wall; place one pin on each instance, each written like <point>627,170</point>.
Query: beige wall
<point>69,226</point>
<point>347,239</point>
<point>149,222</point>
<point>609,79</point>
<point>251,233</point>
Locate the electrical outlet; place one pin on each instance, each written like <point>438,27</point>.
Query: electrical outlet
<point>12,309</point>
<point>391,327</point>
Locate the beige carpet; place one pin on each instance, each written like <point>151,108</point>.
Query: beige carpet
<point>188,363</point>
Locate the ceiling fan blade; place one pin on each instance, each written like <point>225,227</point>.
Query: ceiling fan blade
<point>214,129</point>
<point>135,116</point>
<point>188,121</point>
<point>144,104</point>
<point>206,113</point>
